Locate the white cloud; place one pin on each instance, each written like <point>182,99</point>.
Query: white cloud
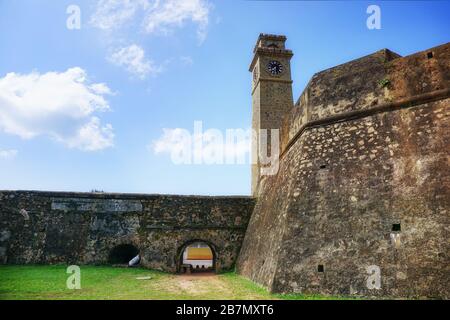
<point>159,16</point>
<point>186,60</point>
<point>92,136</point>
<point>169,14</point>
<point>113,14</point>
<point>207,147</point>
<point>133,59</point>
<point>60,105</point>
<point>8,154</point>
<point>171,140</point>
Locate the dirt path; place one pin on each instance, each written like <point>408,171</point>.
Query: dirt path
<point>199,285</point>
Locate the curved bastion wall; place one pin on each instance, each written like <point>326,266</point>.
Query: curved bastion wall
<point>83,228</point>
<point>363,189</point>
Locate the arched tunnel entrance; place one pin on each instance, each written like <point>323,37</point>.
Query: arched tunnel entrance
<point>197,256</point>
<point>122,254</point>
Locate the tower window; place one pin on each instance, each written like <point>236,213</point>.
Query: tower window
<point>430,55</point>
<point>320,268</point>
<point>396,227</point>
<point>272,45</point>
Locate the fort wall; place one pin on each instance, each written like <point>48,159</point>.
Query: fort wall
<point>364,181</point>
<point>83,228</point>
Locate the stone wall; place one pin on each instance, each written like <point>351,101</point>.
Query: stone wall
<point>365,83</point>
<point>83,228</point>
<point>367,184</point>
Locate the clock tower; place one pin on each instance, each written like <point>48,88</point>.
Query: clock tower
<point>271,96</point>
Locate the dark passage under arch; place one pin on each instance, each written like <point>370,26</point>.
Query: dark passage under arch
<point>122,254</point>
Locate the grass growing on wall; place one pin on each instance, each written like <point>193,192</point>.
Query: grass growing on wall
<point>102,282</point>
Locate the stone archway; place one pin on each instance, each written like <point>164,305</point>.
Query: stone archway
<point>181,257</point>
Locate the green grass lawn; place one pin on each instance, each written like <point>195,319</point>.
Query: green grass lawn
<point>102,282</point>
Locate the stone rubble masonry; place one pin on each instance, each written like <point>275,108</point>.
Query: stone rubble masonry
<point>365,152</point>
<point>83,228</point>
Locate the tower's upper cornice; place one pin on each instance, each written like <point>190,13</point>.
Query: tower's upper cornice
<point>268,36</point>
<point>270,45</point>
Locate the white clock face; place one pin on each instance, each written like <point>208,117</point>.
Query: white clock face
<point>274,67</point>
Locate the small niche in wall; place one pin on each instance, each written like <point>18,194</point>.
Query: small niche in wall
<point>430,54</point>
<point>323,166</point>
<point>396,227</point>
<point>320,268</point>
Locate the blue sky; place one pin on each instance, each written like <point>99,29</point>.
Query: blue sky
<point>84,109</point>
